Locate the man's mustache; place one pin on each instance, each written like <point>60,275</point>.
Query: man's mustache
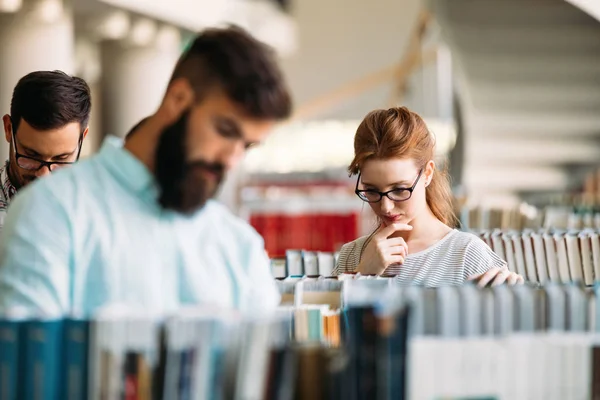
<point>215,168</point>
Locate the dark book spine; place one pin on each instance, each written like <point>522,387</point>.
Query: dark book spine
<point>130,377</point>
<point>362,345</point>
<point>595,373</point>
<point>158,381</point>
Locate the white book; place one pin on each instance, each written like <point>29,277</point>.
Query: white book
<point>540,257</point>
<point>326,263</point>
<point>478,342</point>
<point>278,269</point>
<point>253,363</point>
<point>510,254</point>
<point>537,374</point>
<point>574,257</point>
<point>498,245</point>
<point>519,255</point>
<point>482,366</point>
<point>563,260</point>
<point>486,238</point>
<point>551,257</point>
<point>585,244</point>
<point>310,261</point>
<point>518,347</point>
<point>553,356</point>
<point>532,274</point>
<point>294,263</point>
<point>595,241</point>
<point>422,376</point>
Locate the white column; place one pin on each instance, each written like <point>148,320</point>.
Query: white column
<point>38,36</point>
<point>135,74</point>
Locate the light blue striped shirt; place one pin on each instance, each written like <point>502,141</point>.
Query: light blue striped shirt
<point>93,235</point>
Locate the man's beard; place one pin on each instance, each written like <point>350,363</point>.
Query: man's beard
<point>17,179</point>
<point>183,187</point>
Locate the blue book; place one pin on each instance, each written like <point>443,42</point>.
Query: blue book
<point>42,366</point>
<point>75,364</point>
<point>10,343</point>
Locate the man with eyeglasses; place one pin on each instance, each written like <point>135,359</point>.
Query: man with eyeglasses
<point>135,224</point>
<point>48,121</point>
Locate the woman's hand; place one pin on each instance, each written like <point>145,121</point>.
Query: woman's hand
<point>497,276</point>
<point>383,251</point>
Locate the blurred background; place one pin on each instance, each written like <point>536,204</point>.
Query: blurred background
<point>510,88</point>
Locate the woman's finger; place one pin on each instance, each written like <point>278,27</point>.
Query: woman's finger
<point>501,277</point>
<point>395,242</point>
<point>391,260</point>
<point>487,277</point>
<point>513,279</point>
<point>397,251</point>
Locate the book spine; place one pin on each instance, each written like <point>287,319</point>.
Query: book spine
<point>76,359</point>
<point>10,342</point>
<point>42,363</point>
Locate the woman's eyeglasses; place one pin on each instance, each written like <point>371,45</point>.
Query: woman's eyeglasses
<point>396,195</point>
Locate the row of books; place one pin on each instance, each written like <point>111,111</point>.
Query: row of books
<point>523,342</point>
<point>549,255</point>
<point>479,217</point>
<point>564,215</point>
<point>394,342</point>
<point>304,263</point>
<point>316,231</point>
<point>196,354</point>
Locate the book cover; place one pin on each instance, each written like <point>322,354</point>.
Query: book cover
<point>76,359</point>
<point>10,350</point>
<point>42,359</point>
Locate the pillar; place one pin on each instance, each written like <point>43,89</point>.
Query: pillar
<point>37,36</point>
<point>135,74</point>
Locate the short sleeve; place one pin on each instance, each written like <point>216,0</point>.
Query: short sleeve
<point>479,258</point>
<point>35,253</point>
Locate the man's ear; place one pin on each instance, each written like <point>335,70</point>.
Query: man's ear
<point>7,122</point>
<point>179,97</point>
<point>85,132</point>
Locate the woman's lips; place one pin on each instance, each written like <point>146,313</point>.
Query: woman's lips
<point>392,218</point>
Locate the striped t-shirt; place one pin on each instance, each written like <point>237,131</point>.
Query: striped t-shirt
<point>450,261</point>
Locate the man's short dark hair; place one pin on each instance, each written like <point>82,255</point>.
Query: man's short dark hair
<point>50,100</point>
<point>246,70</point>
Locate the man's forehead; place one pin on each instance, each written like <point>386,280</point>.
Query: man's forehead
<point>64,137</point>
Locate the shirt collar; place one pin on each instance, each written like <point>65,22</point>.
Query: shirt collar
<point>129,170</point>
<point>8,188</point>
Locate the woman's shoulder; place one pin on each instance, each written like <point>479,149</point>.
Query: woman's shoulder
<point>357,243</point>
<point>464,239</point>
<point>350,254</point>
<point>478,256</point>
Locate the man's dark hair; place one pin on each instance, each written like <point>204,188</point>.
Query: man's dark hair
<point>49,100</point>
<point>230,59</point>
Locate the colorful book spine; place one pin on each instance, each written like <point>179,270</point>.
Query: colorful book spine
<point>76,356</point>
<point>42,367</point>
<point>10,349</point>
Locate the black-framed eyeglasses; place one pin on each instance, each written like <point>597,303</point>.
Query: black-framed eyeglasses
<point>396,195</point>
<point>33,164</point>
